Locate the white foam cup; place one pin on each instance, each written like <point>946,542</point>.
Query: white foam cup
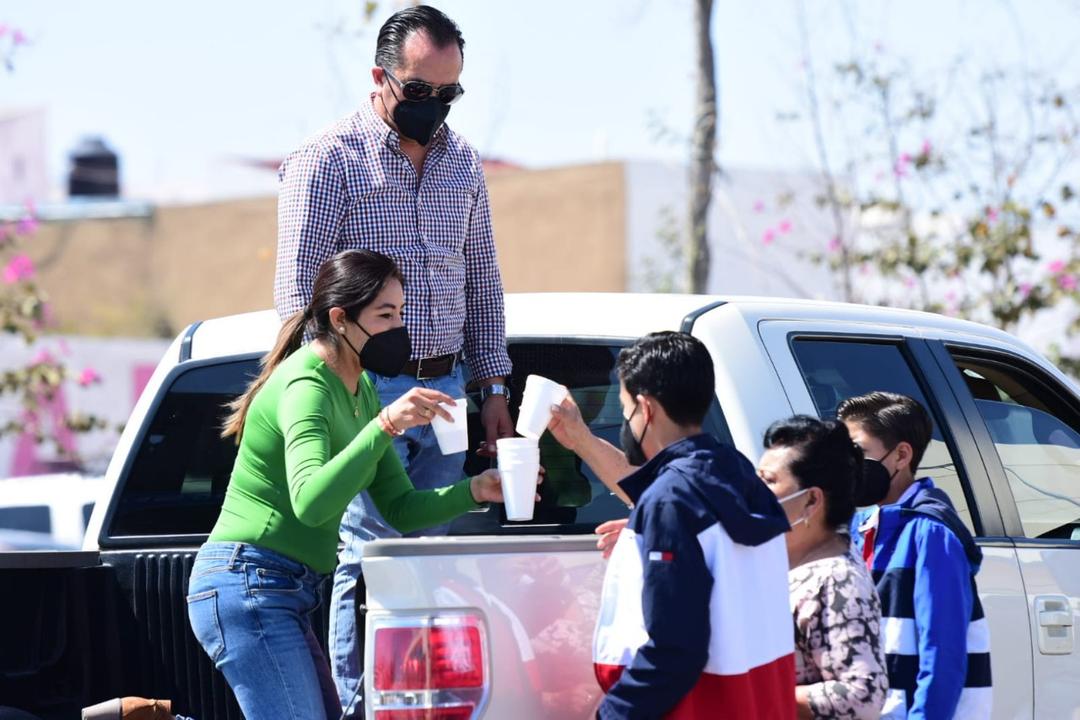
<point>519,465</point>
<point>453,437</point>
<point>535,411</point>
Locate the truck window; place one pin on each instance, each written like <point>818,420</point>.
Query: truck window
<point>572,498</point>
<point>177,481</point>
<point>29,518</point>
<point>835,369</point>
<point>1036,432</point>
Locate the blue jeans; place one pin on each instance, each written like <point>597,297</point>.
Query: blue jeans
<point>250,610</point>
<point>428,468</point>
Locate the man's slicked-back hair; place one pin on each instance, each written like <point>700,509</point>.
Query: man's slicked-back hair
<point>891,418</point>
<point>398,27</point>
<point>676,369</point>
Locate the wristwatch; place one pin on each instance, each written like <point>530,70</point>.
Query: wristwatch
<point>494,389</point>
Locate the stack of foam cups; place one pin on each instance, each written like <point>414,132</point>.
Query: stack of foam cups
<point>519,466</point>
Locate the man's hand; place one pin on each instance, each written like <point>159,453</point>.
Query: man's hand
<point>568,426</point>
<point>495,417</point>
<point>609,535</point>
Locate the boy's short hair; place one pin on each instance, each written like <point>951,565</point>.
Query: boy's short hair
<point>891,418</point>
<point>676,369</point>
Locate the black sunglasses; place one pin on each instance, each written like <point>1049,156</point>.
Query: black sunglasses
<point>420,90</point>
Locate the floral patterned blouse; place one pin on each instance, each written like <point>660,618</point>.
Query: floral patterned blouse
<point>838,650</point>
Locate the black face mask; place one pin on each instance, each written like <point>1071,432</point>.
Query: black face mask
<point>419,119</point>
<point>384,353</point>
<point>630,444</point>
<point>875,483</point>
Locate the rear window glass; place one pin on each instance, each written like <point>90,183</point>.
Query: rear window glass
<point>177,480</point>
<point>572,498</point>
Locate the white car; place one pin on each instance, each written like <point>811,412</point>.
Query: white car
<point>48,510</point>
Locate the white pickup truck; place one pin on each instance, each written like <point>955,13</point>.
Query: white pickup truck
<point>496,620</point>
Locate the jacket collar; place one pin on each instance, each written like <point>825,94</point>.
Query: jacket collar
<point>638,481</point>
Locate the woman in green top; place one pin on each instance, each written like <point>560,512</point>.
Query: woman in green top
<point>311,437</point>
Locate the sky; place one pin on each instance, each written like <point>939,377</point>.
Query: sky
<point>185,91</point>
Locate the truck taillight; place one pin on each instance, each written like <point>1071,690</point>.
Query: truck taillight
<point>429,668</point>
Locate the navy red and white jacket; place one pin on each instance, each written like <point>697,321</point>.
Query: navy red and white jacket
<point>694,618</point>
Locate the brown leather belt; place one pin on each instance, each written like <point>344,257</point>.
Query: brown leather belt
<point>431,367</point>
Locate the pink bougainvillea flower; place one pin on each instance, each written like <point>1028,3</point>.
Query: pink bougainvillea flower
<point>927,148</point>
<point>1067,282</point>
<point>20,267</point>
<point>88,377</point>
<point>759,206</point>
<point>18,37</point>
<point>1056,266</point>
<point>43,357</point>
<point>992,214</point>
<point>3,30</point>
<point>901,168</point>
<point>950,296</point>
<point>784,227</point>
<point>28,225</point>
<point>768,237</point>
<point>1025,290</point>
<point>835,244</point>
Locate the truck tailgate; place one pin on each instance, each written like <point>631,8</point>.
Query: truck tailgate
<point>536,599</point>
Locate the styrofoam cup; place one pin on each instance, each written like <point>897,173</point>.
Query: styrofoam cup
<point>535,411</point>
<point>519,488</point>
<point>453,437</point>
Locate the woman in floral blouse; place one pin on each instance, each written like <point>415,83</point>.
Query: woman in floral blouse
<point>818,474</point>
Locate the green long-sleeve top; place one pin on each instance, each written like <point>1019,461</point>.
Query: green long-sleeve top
<point>308,447</point>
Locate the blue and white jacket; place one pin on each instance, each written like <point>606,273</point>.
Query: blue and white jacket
<point>935,636</point>
<point>694,620</point>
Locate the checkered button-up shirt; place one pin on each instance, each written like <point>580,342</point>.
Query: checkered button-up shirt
<point>353,187</point>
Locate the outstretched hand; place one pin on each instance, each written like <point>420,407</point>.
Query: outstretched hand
<point>609,535</point>
<point>487,486</point>
<point>567,425</point>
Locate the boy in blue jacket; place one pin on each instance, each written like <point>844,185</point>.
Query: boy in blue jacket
<point>924,562</point>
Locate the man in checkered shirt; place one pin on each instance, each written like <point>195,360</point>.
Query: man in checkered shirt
<point>393,178</point>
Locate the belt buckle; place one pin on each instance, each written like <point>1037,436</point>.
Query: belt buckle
<point>420,366</point>
<point>420,369</point>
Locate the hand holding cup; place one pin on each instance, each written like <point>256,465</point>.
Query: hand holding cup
<point>419,406</point>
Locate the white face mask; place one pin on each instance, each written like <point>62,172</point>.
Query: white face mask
<point>792,496</point>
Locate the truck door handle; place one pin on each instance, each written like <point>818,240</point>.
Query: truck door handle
<point>1054,617</point>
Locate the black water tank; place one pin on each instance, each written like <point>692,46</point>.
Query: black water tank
<point>95,170</point>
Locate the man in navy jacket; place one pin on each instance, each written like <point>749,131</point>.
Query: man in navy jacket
<point>924,561</point>
<point>694,620</point>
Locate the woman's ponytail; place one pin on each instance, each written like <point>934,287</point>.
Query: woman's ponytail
<point>289,340</point>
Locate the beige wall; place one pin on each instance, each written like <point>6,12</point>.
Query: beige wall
<point>560,229</point>
<point>151,276</point>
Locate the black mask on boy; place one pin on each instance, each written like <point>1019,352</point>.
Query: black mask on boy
<point>632,445</point>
